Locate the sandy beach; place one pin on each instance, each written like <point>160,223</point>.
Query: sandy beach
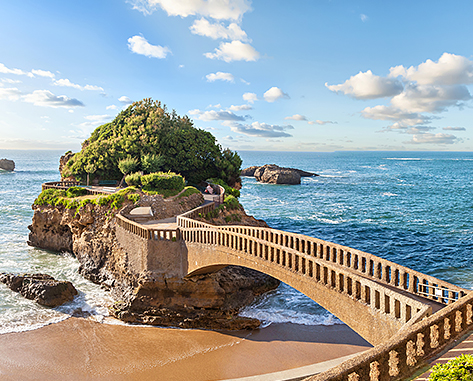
<point>81,349</point>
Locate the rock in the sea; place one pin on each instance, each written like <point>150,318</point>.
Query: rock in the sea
<point>41,288</point>
<point>250,171</point>
<point>273,174</point>
<point>7,165</point>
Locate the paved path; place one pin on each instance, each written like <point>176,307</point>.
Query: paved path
<point>463,347</point>
<point>167,223</point>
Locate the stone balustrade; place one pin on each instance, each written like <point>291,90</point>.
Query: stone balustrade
<point>409,350</point>
<point>60,185</point>
<point>364,263</point>
<point>146,232</point>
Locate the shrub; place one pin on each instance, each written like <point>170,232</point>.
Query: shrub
<point>163,181</point>
<point>458,369</point>
<point>134,179</point>
<point>49,197</point>
<point>76,192</point>
<point>188,191</point>
<point>152,163</point>
<point>128,165</point>
<point>231,203</point>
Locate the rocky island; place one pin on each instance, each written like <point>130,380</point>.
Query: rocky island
<point>274,174</point>
<point>70,219</point>
<point>7,165</point>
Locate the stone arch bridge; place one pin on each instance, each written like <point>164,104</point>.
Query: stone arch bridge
<point>375,297</point>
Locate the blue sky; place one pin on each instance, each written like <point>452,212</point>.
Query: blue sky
<point>305,75</point>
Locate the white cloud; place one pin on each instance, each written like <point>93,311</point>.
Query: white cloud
<point>240,108</point>
<point>215,31</point>
<point>250,97</point>
<point>11,94</point>
<point>430,98</point>
<point>46,98</point>
<point>216,9</point>
<point>261,130</point>
<point>5,70</point>
<point>68,83</point>
<point>368,86</point>
<point>296,117</point>
<point>429,138</point>
<point>390,113</point>
<point>363,17</point>
<point>43,73</point>
<point>234,51</point>
<point>245,82</point>
<point>10,81</point>
<point>111,107</point>
<point>220,76</point>
<point>97,118</point>
<point>218,105</point>
<point>454,128</point>
<point>321,122</point>
<point>139,45</point>
<point>125,100</point>
<point>273,94</point>
<point>450,69</point>
<point>215,115</point>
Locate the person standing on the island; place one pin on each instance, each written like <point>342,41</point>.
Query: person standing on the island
<point>209,189</point>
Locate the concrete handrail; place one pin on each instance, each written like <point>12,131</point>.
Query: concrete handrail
<point>399,357</point>
<point>60,185</point>
<point>364,263</point>
<point>398,306</point>
<point>146,232</point>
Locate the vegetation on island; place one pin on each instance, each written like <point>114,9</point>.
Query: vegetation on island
<point>77,198</point>
<point>458,369</point>
<point>147,138</point>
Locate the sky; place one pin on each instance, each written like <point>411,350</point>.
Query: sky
<point>302,75</point>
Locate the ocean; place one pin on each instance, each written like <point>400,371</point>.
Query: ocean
<point>413,208</point>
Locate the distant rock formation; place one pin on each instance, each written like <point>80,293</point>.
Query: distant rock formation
<point>7,165</point>
<point>273,174</point>
<point>63,161</point>
<point>41,288</point>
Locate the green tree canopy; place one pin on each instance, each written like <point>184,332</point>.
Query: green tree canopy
<point>156,139</point>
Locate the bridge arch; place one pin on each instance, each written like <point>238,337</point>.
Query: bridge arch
<point>370,309</point>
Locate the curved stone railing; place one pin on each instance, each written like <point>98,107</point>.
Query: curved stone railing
<point>364,263</point>
<point>401,356</point>
<point>147,232</point>
<point>60,185</point>
<point>376,296</point>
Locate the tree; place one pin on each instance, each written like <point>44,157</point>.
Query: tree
<point>159,141</point>
<point>127,166</point>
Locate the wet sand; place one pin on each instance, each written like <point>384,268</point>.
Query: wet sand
<point>81,349</point>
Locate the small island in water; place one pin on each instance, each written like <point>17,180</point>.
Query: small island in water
<point>162,165</point>
<point>7,165</point>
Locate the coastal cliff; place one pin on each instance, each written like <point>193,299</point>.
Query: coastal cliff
<point>150,297</point>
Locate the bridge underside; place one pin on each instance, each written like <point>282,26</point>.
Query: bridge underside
<point>371,324</point>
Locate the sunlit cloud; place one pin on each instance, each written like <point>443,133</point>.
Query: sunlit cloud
<point>139,45</point>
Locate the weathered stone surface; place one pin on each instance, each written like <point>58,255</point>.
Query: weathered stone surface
<point>41,288</point>
<point>273,174</point>
<point>250,171</point>
<point>146,291</point>
<point>7,165</point>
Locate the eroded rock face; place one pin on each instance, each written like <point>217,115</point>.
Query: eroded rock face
<point>206,301</point>
<point>41,288</point>
<point>7,165</point>
<point>273,174</point>
<point>63,161</point>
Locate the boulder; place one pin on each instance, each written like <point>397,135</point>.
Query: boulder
<point>250,171</point>
<point>7,165</point>
<point>273,174</point>
<point>41,288</point>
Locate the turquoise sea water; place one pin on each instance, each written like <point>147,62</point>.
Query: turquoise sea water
<point>414,208</point>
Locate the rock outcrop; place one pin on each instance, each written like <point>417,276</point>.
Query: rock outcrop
<point>144,296</point>
<point>41,288</point>
<point>64,159</point>
<point>7,165</point>
<point>273,174</point>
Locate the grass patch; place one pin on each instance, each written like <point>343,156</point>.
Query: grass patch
<point>188,191</point>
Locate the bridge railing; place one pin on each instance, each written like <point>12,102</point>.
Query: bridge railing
<point>400,356</point>
<point>60,185</point>
<point>364,263</point>
<point>398,306</point>
<point>145,232</point>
